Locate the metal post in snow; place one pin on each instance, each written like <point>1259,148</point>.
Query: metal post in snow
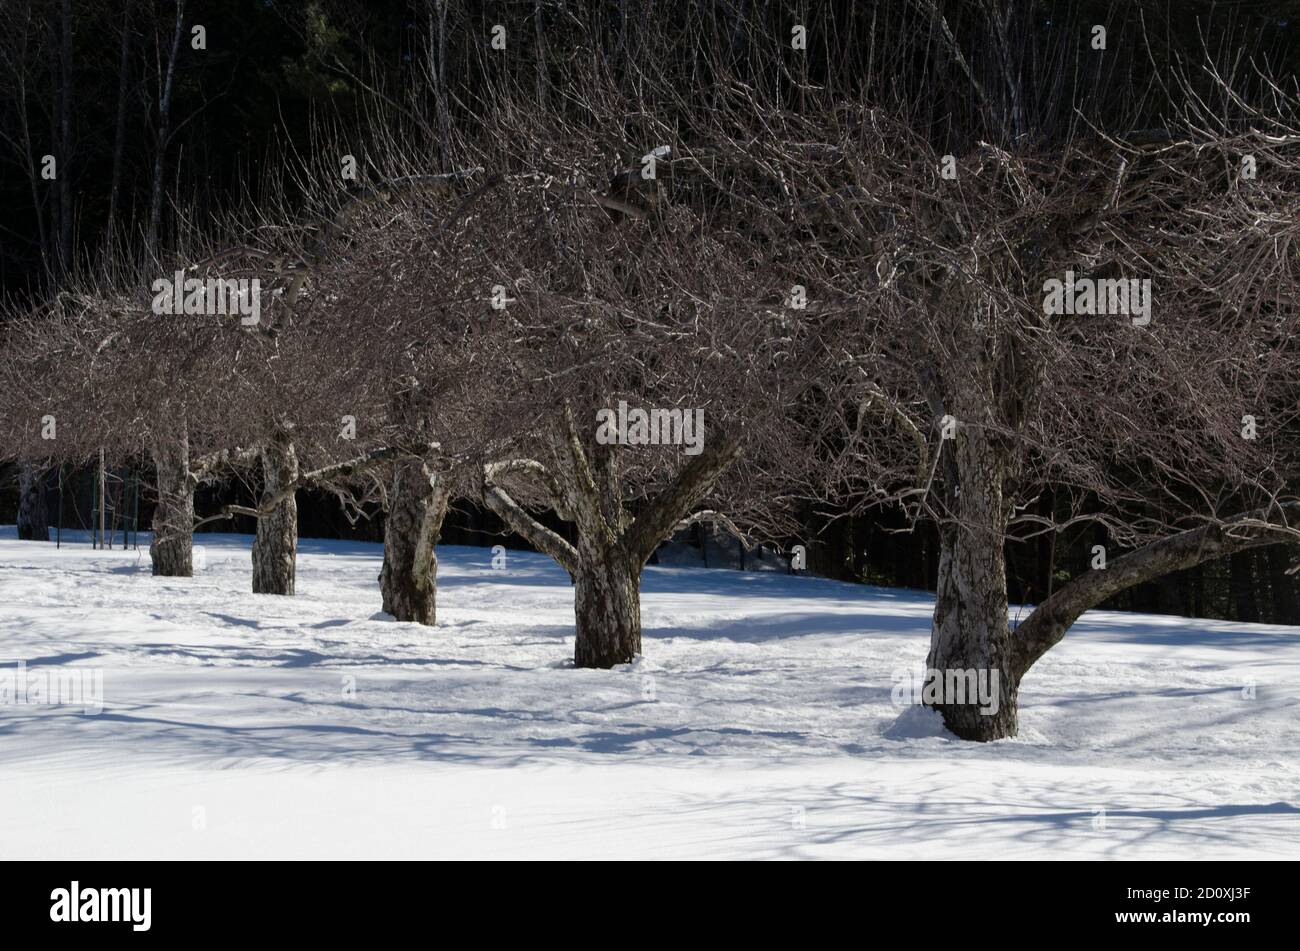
<point>135,518</point>
<point>103,495</point>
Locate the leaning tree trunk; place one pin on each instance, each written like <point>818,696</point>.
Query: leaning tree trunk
<point>409,578</point>
<point>275,549</point>
<point>1048,623</point>
<point>607,606</point>
<point>172,549</point>
<point>33,525</point>
<point>970,642</point>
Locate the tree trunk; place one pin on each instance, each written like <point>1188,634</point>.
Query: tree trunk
<point>275,549</point>
<point>970,642</point>
<point>164,133</point>
<point>119,133</point>
<point>33,525</point>
<point>1282,586</point>
<point>409,579</point>
<point>1241,582</point>
<point>65,136</point>
<point>606,564</point>
<point>437,66</point>
<point>172,548</point>
<point>1169,594</point>
<point>607,606</point>
<point>1049,542</point>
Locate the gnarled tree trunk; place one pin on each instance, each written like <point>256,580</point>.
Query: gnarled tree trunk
<point>612,547</point>
<point>172,549</point>
<point>607,606</point>
<point>409,578</point>
<point>33,525</point>
<point>275,549</point>
<point>970,643</point>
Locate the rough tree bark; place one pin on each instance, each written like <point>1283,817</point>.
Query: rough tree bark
<point>275,548</point>
<point>33,525</point>
<point>409,578</point>
<point>606,605</point>
<point>612,548</point>
<point>172,549</point>
<point>970,631</point>
<point>178,476</point>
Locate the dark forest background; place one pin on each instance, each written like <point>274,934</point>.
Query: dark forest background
<point>149,143</point>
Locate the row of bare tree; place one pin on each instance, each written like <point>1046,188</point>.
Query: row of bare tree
<point>857,304</point>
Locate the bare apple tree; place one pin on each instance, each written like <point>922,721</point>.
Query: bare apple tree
<point>1100,307</point>
<point>622,327</point>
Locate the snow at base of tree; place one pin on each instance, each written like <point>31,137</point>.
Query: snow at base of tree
<point>759,722</point>
<point>914,723</point>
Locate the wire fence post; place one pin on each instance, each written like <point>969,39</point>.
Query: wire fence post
<point>135,511</point>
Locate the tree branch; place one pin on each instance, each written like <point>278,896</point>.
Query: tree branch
<point>339,469</point>
<point>1047,625</point>
<point>674,501</point>
<point>350,466</point>
<point>204,466</point>
<point>514,515</point>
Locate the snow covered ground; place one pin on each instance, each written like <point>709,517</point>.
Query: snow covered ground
<point>758,724</point>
